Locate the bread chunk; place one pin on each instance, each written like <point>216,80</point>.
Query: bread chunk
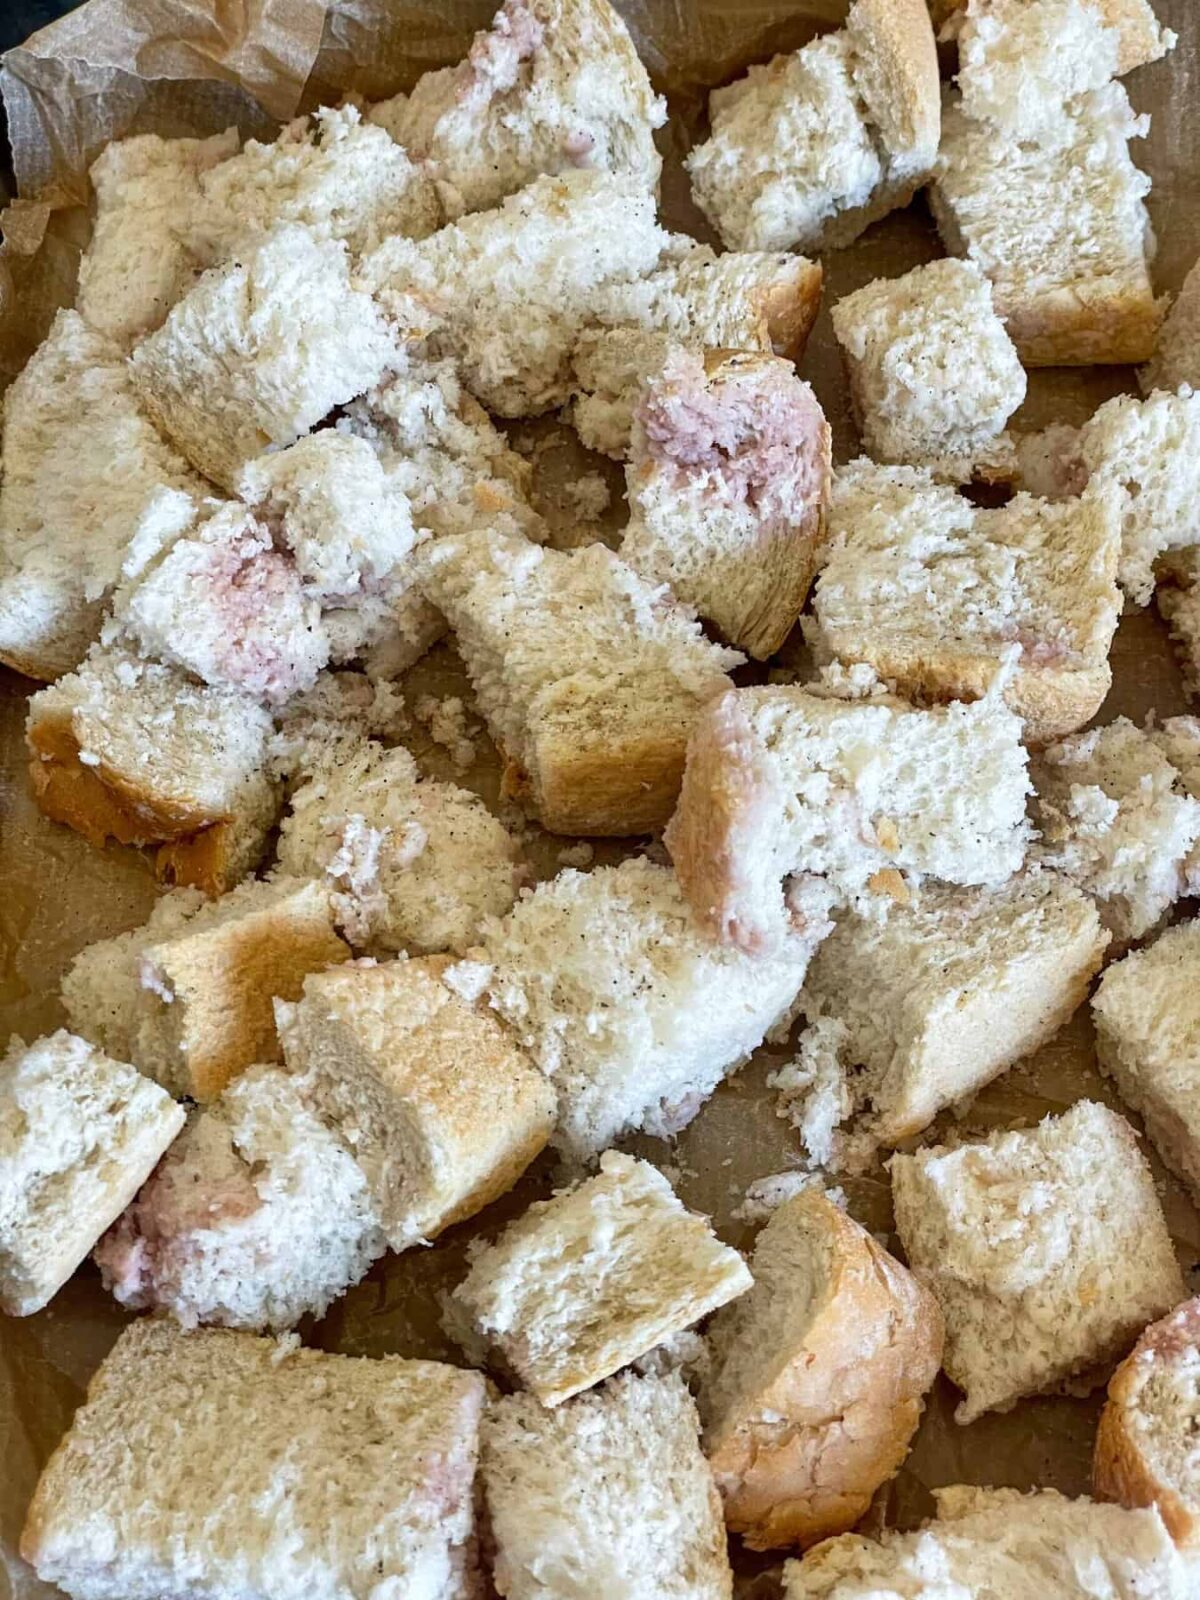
<point>806,151</point>
<point>869,794</point>
<point>1059,228</point>
<point>942,599</point>
<point>1140,37</point>
<point>1177,358</point>
<point>139,261</point>
<point>818,1377</point>
<point>607,1494</point>
<point>583,1284</point>
<point>266,1425</point>
<point>552,86</point>
<point>1046,1247</point>
<point>257,1216</point>
<point>1147,1013</point>
<point>588,676</point>
<point>443,1111</point>
<point>79,1134</point>
<point>614,987</point>
<point>933,375</point>
<point>507,292</point>
<point>1146,1440</point>
<point>261,350</point>
<point>86,479</point>
<point>728,480</point>
<point>1038,1546</point>
<point>188,995</point>
<point>136,751</point>
<point>945,995</point>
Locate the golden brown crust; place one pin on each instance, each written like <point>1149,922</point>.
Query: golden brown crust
<point>203,860</point>
<point>1090,323</point>
<point>788,310</point>
<point>1120,1470</point>
<point>620,785</point>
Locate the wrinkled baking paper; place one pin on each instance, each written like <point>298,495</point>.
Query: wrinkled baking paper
<point>116,67</point>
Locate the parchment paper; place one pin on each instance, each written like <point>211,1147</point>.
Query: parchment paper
<point>190,67</point>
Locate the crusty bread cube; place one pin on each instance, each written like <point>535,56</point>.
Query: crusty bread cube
<point>870,794</point>
<point>257,1216</point>
<point>942,599</point>
<point>340,177</point>
<point>818,1377</point>
<point>86,477</point>
<point>587,1282</point>
<point>136,751</point>
<point>608,1494</point>
<point>506,292</point>
<point>224,604</point>
<point>260,350</point>
<point>412,864</point>
<point>552,86</point>
<point>953,988</point>
<point>79,1135</point>
<point>1147,1014</point>
<point>933,375</point>
<point>1177,358</point>
<point>809,149</point>
<point>728,481</point>
<point>1000,1542</point>
<point>1046,1247</point>
<point>613,986</point>
<point>139,261</point>
<point>589,677</point>
<point>442,1109</point>
<point>188,995</point>
<point>1060,229</point>
<point>1146,1438</point>
<point>1118,816</point>
<point>321,1474</point>
<point>1149,450</point>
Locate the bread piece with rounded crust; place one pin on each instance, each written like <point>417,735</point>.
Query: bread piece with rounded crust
<point>1146,1451</point>
<point>818,1377</point>
<point>608,1494</point>
<point>728,480</point>
<point>551,86</point>
<point>583,1284</point>
<point>441,1107</point>
<point>326,1474</point>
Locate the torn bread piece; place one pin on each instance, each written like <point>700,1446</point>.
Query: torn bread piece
<point>338,176</point>
<point>870,794</point>
<point>1117,815</point>
<point>135,751</point>
<point>583,1284</point>
<point>1147,1015</point>
<point>441,1108</point>
<point>1140,36</point>
<point>1046,1247</point>
<point>116,1509</point>
<point>1037,1546</point>
<point>1177,597</point>
<point>258,1215</point>
<point>411,863</point>
<point>942,599</point>
<point>728,481</point>
<point>1177,358</point>
<point>808,150</point>
<point>260,350</point>
<point>1060,229</point>
<point>608,1494</point>
<point>589,677</point>
<point>1146,1437</point>
<point>924,1009</point>
<point>818,1377</point>
<point>507,292</point>
<point>552,86</point>
<point>86,478</point>
<point>79,1134</point>
<point>138,261</point>
<point>933,375</point>
<point>188,996</point>
<point>632,1012</point>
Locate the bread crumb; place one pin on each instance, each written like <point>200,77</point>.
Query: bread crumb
<point>576,855</point>
<point>764,1196</point>
<point>468,979</point>
<point>587,497</point>
<point>448,724</point>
